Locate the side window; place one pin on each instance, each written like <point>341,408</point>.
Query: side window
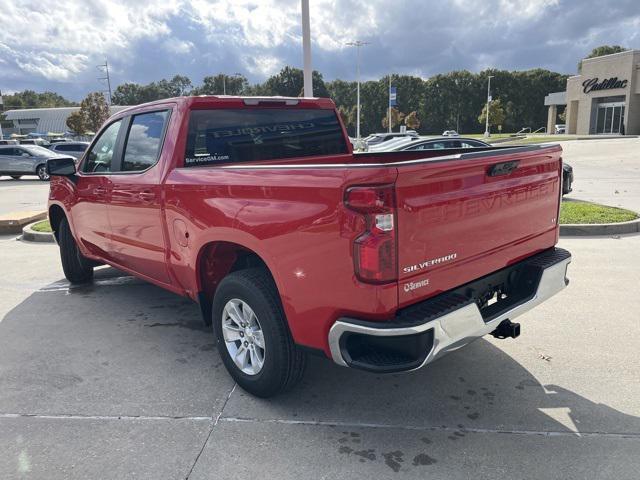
<point>101,155</point>
<point>471,144</point>
<point>144,141</point>
<point>430,146</point>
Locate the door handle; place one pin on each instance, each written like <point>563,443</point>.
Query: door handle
<point>503,168</point>
<point>147,196</point>
<point>99,191</point>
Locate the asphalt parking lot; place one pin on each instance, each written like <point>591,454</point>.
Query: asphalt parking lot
<point>120,379</point>
<point>28,193</point>
<point>606,171</point>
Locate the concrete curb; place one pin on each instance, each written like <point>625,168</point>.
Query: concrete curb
<point>14,222</point>
<point>604,229</point>
<point>30,235</point>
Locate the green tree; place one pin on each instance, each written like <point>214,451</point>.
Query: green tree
<point>496,114</point>
<point>218,84</point>
<point>76,123</point>
<point>135,94</point>
<point>412,121</point>
<point>94,111</point>
<point>396,118</point>
<point>348,115</point>
<point>178,86</point>
<point>601,51</point>
<point>128,94</point>
<point>32,99</point>
<point>289,82</point>
<point>342,92</point>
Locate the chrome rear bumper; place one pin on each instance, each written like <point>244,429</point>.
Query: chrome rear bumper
<point>456,327</point>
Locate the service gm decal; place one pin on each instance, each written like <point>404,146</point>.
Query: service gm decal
<point>411,286</point>
<point>429,263</point>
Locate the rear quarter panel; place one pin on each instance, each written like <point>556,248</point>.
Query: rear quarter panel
<point>294,219</point>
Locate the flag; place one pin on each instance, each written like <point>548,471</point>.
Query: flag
<point>392,97</point>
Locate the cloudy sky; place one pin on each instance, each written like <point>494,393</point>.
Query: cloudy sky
<point>56,44</point>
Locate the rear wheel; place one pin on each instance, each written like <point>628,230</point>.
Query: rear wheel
<point>253,338</point>
<point>76,267</point>
<point>41,171</point>
<point>16,177</point>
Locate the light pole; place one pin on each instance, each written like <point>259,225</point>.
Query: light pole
<point>457,106</point>
<point>307,75</point>
<point>357,44</point>
<point>486,130</point>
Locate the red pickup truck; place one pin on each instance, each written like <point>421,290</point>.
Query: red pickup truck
<point>257,209</point>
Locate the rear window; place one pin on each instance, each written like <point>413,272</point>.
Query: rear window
<point>241,135</point>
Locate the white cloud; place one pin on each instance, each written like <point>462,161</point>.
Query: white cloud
<point>177,46</point>
<point>62,36</point>
<point>54,66</point>
<point>60,42</point>
<point>263,65</point>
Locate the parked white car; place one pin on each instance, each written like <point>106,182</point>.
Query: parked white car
<point>449,133</point>
<point>378,138</point>
<point>560,129</point>
<point>392,144</point>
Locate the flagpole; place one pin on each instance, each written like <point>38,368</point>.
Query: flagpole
<point>389,106</point>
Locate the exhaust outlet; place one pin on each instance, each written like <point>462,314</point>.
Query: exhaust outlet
<point>507,329</point>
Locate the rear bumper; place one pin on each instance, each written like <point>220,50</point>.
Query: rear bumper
<point>423,332</point>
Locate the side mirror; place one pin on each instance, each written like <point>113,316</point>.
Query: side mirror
<point>24,154</point>
<point>62,167</point>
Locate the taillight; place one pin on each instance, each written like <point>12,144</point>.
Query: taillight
<point>374,251</point>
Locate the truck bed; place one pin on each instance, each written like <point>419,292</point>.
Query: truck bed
<point>453,217</point>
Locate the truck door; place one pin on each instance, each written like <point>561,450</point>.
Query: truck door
<point>135,209</point>
<point>89,214</point>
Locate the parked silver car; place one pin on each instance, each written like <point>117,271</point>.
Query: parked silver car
<point>73,149</point>
<point>19,160</point>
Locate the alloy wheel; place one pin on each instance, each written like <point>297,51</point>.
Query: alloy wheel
<point>42,173</point>
<point>243,336</point>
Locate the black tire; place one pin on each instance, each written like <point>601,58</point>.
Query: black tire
<point>16,177</point>
<point>76,267</point>
<point>284,363</point>
<point>41,171</point>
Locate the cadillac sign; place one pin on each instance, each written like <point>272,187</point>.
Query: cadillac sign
<point>592,85</point>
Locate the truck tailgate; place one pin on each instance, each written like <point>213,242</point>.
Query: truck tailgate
<point>462,217</point>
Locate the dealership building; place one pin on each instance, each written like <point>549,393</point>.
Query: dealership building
<point>41,121</point>
<point>603,99</point>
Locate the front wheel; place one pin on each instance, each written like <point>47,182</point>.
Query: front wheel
<point>41,171</point>
<point>76,267</point>
<point>253,338</point>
